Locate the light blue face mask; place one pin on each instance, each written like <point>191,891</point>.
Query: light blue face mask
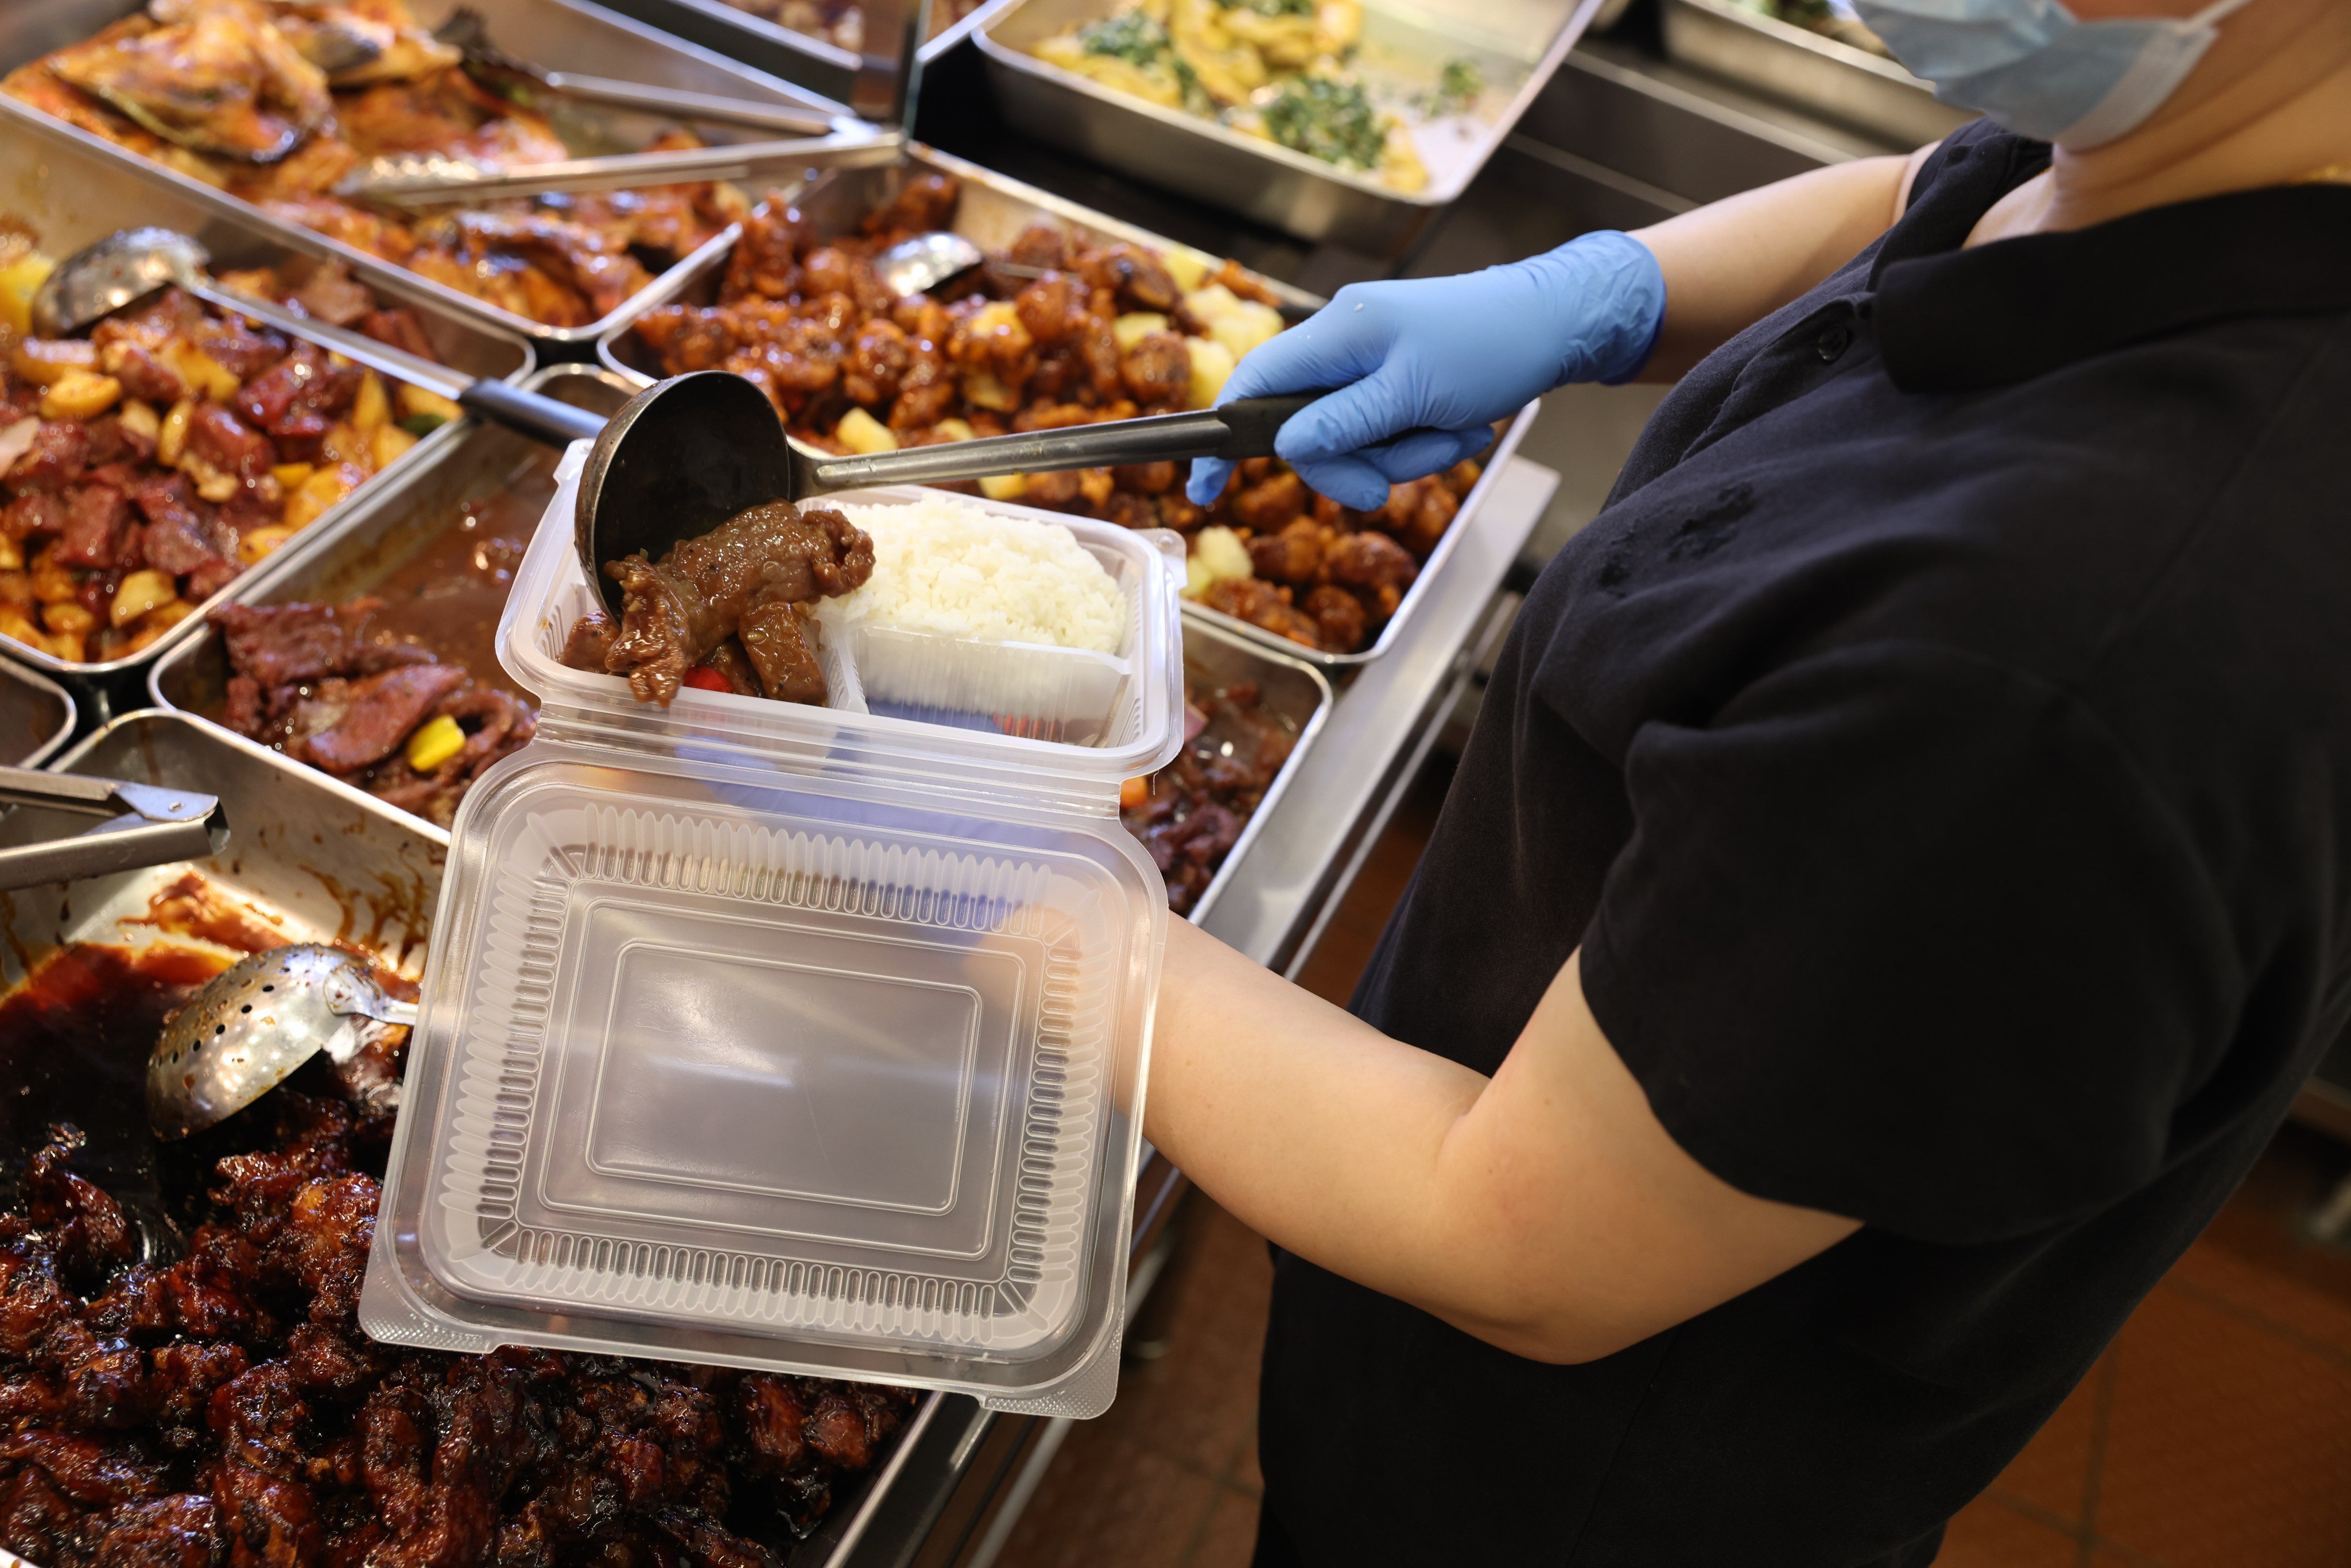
<point>2032,66</point>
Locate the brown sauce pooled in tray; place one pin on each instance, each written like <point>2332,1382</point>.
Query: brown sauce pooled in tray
<point>449,595</point>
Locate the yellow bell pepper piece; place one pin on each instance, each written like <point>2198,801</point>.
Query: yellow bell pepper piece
<point>434,743</point>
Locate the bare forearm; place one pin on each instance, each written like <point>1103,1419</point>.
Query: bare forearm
<point>1731,263</point>
<point>1315,1129</point>
<point>1543,1210</point>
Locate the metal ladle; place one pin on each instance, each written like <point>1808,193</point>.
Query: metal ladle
<point>685,454</point>
<point>920,265</point>
<point>124,268</point>
<point>253,1024</point>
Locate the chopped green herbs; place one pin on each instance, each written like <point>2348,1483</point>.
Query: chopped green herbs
<point>1129,35</point>
<point>1326,119</point>
<point>1457,86</point>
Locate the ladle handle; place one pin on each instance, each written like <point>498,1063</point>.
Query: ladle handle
<point>531,413</point>
<point>1242,428</point>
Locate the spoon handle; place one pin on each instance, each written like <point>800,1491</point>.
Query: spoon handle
<point>1239,429</point>
<point>533,414</point>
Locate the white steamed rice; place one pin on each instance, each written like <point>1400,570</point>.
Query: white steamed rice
<point>944,565</point>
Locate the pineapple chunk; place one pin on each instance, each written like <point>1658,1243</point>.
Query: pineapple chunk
<point>982,390</point>
<point>171,440</point>
<point>12,555</point>
<point>1189,268</point>
<point>140,418</point>
<point>258,542</point>
<point>202,374</point>
<point>140,592</point>
<point>386,444</point>
<point>344,444</point>
<point>19,281</point>
<point>413,402</point>
<point>1004,486</point>
<point>290,476</point>
<point>371,410</point>
<point>954,430</point>
<point>54,582</point>
<point>861,432</point>
<point>72,617</point>
<point>80,394</point>
<point>322,491</point>
<point>1135,326</point>
<point>45,362</point>
<point>1212,366</point>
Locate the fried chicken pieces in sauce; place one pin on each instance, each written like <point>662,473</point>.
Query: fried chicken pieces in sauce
<point>806,318</point>
<point>224,1410</point>
<point>729,602</point>
<point>278,102</point>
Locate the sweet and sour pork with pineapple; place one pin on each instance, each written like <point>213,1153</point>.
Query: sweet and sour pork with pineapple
<point>144,467</point>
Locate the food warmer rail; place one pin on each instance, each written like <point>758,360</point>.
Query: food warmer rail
<point>559,34</point>
<point>72,190</point>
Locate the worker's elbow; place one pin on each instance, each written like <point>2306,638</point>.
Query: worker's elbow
<point>1557,1340</point>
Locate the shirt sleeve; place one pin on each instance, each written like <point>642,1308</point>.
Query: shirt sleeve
<point>1906,936</point>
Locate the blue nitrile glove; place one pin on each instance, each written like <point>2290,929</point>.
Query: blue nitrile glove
<point>1444,357</point>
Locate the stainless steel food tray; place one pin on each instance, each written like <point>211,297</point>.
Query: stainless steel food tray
<point>1518,42</point>
<point>1834,80</point>
<point>380,535</point>
<point>563,34</point>
<point>72,191</point>
<point>327,864</point>
<point>994,210</point>
<point>37,715</point>
<point>1290,687</point>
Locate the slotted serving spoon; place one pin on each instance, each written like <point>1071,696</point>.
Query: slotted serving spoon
<point>685,454</point>
<point>253,1024</point>
<point>125,268</point>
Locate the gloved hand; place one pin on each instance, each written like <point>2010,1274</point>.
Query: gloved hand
<point>1444,358</point>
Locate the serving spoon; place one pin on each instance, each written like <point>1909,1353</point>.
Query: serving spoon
<point>919,264</point>
<point>125,268</point>
<point>253,1024</point>
<point>685,454</point>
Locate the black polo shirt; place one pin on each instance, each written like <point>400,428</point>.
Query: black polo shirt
<point>1940,750</point>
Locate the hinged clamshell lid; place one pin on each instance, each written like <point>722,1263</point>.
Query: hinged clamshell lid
<point>806,1040</point>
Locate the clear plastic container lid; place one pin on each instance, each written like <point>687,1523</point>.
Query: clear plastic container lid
<point>803,1038</point>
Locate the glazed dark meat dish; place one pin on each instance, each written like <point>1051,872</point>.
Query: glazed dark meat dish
<point>1105,332</point>
<point>729,602</point>
<point>218,1406</point>
<point>1191,813</point>
<point>322,684</point>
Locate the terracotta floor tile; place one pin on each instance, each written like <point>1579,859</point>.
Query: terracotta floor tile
<point>2227,1445</point>
<point>1987,1533</point>
<point>1107,1501</point>
<point>2053,1471</point>
<point>1231,1536</point>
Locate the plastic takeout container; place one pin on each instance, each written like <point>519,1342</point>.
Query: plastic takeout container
<point>802,1038</point>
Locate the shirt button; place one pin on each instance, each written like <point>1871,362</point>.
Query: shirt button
<point>1833,342</point>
